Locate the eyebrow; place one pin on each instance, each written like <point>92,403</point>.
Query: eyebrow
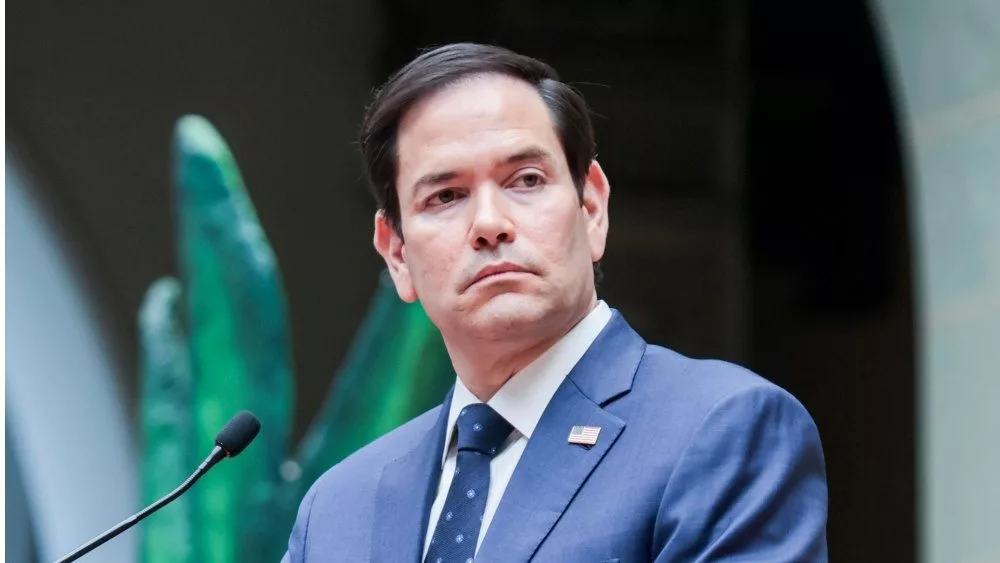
<point>436,178</point>
<point>530,153</point>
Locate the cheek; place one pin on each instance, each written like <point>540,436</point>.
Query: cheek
<point>429,262</point>
<point>560,236</point>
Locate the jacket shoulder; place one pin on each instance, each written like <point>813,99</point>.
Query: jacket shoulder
<point>700,381</point>
<point>362,469</point>
<point>338,509</point>
<point>685,390</point>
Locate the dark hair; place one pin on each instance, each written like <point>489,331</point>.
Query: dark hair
<point>443,66</point>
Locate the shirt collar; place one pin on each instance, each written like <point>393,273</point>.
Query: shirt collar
<point>523,398</point>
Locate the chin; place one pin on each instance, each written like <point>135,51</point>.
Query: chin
<point>506,315</point>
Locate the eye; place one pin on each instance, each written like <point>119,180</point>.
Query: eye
<point>529,180</point>
<point>443,197</point>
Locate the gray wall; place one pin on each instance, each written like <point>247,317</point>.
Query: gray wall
<point>69,437</point>
<point>946,58</point>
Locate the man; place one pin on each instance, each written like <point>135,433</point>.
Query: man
<point>566,437</point>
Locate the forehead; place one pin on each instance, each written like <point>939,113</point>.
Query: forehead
<point>475,118</point>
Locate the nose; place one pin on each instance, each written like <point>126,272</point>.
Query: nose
<point>491,224</point>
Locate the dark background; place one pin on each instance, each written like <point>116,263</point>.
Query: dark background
<point>758,211</point>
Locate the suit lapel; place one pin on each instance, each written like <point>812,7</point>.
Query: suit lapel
<point>405,493</point>
<point>551,470</point>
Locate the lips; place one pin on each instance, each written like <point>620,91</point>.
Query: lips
<point>495,269</point>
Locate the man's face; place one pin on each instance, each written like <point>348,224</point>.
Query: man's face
<point>496,242</point>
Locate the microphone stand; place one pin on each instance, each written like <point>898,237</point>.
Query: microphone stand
<point>217,455</point>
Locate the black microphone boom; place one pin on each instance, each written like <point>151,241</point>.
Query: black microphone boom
<point>234,437</point>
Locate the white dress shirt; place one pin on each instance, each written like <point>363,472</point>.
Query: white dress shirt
<point>521,401</point>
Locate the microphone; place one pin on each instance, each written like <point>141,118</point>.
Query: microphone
<point>234,437</point>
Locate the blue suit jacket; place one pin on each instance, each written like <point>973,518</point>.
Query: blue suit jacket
<point>697,460</point>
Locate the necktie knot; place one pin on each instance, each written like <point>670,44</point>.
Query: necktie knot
<point>481,429</point>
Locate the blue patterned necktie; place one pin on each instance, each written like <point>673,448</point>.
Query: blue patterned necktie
<point>481,432</point>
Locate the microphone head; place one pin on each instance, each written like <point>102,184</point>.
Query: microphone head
<point>237,434</point>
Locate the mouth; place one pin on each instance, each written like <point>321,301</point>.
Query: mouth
<point>495,270</point>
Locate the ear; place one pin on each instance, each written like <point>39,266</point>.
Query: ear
<point>596,192</point>
<point>389,245</point>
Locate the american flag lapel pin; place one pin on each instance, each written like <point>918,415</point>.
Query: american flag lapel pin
<point>584,435</point>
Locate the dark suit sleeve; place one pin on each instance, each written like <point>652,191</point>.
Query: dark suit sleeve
<point>750,486</point>
<point>297,539</point>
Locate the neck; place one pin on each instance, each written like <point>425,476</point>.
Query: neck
<point>484,367</point>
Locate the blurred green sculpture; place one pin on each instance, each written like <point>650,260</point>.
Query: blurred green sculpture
<point>217,341</point>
